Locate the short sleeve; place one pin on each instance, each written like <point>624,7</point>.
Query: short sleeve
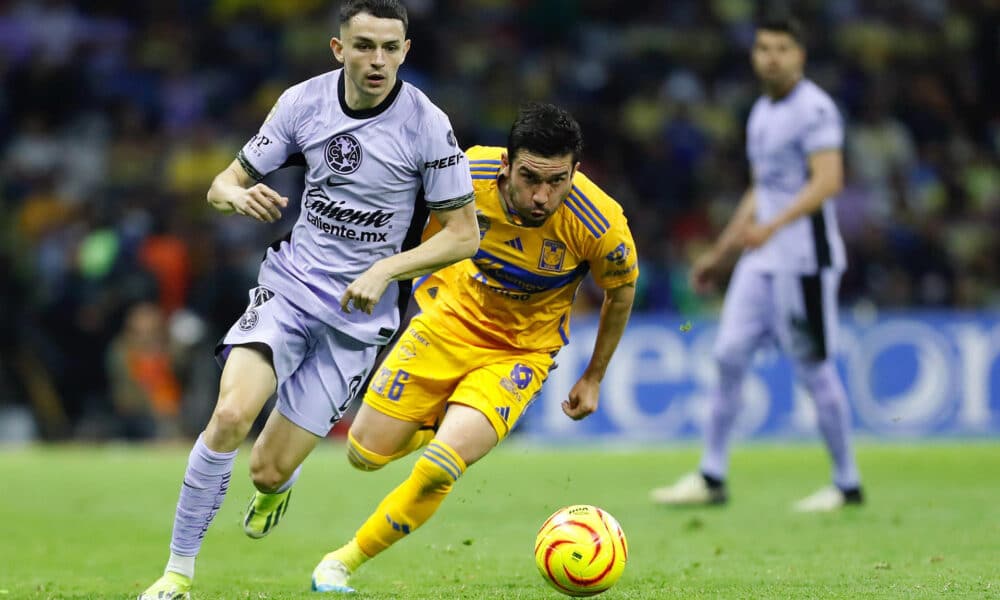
<point>614,262</point>
<point>274,142</point>
<point>443,166</point>
<point>824,128</point>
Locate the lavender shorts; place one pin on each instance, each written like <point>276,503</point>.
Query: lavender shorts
<point>320,370</point>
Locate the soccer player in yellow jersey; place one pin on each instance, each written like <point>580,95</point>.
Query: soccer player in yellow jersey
<point>490,327</point>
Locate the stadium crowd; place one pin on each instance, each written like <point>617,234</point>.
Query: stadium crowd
<point>116,278</point>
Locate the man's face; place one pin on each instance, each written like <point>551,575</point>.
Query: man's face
<point>372,50</point>
<point>777,58</point>
<point>537,185</point>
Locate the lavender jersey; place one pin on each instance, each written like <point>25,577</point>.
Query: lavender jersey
<point>366,173</point>
<point>781,134</point>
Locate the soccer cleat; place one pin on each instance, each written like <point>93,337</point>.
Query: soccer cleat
<point>264,512</point>
<point>331,575</point>
<point>172,586</point>
<point>690,490</point>
<point>829,499</point>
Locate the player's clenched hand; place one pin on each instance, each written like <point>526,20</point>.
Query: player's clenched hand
<point>365,291</point>
<point>259,202</point>
<point>582,399</point>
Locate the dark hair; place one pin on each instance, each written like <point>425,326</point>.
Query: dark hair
<point>784,24</point>
<point>545,130</point>
<point>383,9</point>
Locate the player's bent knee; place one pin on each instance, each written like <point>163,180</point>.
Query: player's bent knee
<point>231,417</point>
<point>229,425</point>
<point>362,458</point>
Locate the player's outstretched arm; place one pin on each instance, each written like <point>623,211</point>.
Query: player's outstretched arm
<point>234,190</point>
<point>615,312</point>
<point>707,269</point>
<point>457,239</point>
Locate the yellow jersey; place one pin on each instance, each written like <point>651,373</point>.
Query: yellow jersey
<point>518,289</point>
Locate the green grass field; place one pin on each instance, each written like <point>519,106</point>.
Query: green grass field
<point>81,522</point>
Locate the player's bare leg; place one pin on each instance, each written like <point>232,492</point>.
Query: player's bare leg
<point>464,437</point>
<point>468,432</point>
<point>248,380</point>
<point>275,462</point>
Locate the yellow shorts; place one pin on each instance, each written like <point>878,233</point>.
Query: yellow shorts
<point>428,368</point>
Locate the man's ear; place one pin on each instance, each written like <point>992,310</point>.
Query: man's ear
<point>337,47</point>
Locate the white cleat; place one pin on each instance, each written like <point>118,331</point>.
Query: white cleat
<point>828,499</point>
<point>689,490</point>
<point>331,575</point>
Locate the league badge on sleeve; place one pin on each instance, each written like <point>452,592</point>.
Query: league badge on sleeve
<point>619,254</point>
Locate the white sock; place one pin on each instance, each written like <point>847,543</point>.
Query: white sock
<point>182,565</point>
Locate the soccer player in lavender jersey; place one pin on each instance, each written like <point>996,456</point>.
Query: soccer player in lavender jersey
<point>327,297</point>
<point>784,287</point>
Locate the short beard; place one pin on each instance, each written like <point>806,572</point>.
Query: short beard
<point>532,223</point>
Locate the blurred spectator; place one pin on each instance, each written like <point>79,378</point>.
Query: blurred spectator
<point>145,390</point>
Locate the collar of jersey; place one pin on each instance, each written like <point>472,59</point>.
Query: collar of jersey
<point>366,113</point>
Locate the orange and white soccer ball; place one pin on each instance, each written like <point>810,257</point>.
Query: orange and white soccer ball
<point>581,550</point>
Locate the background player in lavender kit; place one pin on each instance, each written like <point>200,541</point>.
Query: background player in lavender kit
<point>370,144</point>
<point>784,288</point>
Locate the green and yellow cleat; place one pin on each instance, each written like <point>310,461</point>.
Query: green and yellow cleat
<point>264,513</point>
<point>172,586</point>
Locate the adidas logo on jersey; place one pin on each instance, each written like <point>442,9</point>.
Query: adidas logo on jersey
<point>516,244</point>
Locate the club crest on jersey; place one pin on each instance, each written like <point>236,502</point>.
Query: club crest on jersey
<point>619,254</point>
<point>343,154</point>
<point>553,254</point>
<point>249,320</point>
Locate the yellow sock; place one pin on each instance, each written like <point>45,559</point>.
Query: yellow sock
<point>414,501</point>
<point>350,554</point>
